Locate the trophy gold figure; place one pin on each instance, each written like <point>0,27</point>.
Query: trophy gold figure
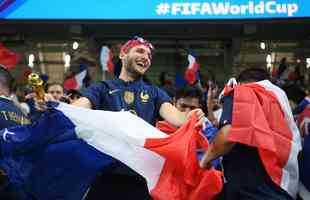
<point>37,85</point>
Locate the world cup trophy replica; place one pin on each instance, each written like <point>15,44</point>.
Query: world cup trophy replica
<point>37,85</point>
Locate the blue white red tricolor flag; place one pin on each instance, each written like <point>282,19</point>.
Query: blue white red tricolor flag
<point>106,59</point>
<point>191,73</point>
<point>167,162</point>
<point>267,123</point>
<point>76,81</point>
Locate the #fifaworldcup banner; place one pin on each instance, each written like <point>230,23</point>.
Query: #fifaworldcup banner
<point>152,10</point>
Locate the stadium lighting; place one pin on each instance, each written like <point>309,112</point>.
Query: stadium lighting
<point>308,62</point>
<point>67,60</point>
<point>75,45</point>
<point>263,45</point>
<point>31,60</point>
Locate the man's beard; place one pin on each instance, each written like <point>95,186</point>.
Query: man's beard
<point>129,66</point>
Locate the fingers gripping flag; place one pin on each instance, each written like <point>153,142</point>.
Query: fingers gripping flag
<point>168,163</point>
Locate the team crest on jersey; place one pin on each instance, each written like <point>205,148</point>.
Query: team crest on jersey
<point>129,97</point>
<point>144,97</point>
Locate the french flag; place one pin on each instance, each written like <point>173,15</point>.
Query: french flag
<point>167,162</point>
<point>106,58</point>
<point>268,124</point>
<point>8,58</point>
<point>191,73</point>
<point>76,82</point>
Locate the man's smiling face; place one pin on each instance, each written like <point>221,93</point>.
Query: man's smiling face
<point>137,60</point>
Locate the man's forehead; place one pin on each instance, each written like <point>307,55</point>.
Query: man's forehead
<point>55,87</point>
<point>141,46</point>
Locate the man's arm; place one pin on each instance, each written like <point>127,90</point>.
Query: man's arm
<point>219,147</point>
<point>83,102</point>
<point>172,114</point>
<point>177,118</point>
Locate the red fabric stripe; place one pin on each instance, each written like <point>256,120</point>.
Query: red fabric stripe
<point>8,58</point>
<point>258,121</point>
<point>110,63</point>
<point>165,127</point>
<point>181,177</point>
<point>190,76</point>
<point>70,83</point>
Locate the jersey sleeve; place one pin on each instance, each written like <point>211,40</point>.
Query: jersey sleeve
<point>162,97</point>
<point>95,94</point>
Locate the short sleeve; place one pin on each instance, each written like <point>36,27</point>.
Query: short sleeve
<point>162,97</point>
<point>226,117</point>
<point>95,94</point>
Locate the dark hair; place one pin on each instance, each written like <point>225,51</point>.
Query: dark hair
<point>6,79</point>
<point>294,93</point>
<point>188,92</point>
<point>74,93</point>
<point>52,84</point>
<point>253,75</point>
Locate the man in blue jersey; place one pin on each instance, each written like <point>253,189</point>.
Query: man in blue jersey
<point>129,92</point>
<point>10,115</point>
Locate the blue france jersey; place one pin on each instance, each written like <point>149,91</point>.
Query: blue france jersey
<point>10,114</point>
<point>137,97</point>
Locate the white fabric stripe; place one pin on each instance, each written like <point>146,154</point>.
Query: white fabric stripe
<point>104,58</point>
<point>290,177</point>
<point>303,192</point>
<point>121,135</point>
<point>191,60</point>
<point>305,123</point>
<point>80,77</point>
<point>232,82</point>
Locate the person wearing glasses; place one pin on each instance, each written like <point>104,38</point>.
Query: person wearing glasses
<point>129,92</point>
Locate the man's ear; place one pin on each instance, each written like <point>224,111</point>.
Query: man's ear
<point>122,56</point>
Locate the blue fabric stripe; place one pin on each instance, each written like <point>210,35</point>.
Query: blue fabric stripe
<point>47,161</point>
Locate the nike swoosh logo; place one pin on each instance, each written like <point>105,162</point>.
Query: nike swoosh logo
<point>113,91</point>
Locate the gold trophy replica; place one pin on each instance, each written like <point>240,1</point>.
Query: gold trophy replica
<point>37,85</point>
